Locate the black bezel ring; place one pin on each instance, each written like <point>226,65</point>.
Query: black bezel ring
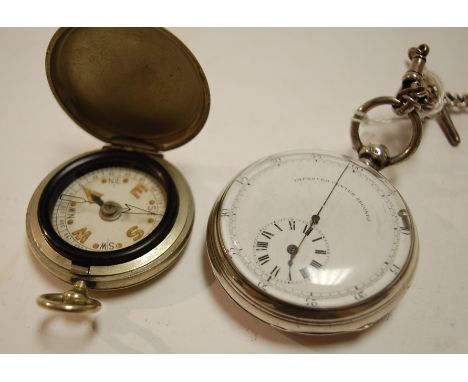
<point>86,164</point>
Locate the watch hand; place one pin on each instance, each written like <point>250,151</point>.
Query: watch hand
<point>331,192</point>
<point>316,218</point>
<point>130,210</point>
<point>313,222</point>
<point>93,196</point>
<point>294,249</point>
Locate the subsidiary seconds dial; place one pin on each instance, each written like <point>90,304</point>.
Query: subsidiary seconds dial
<point>291,251</point>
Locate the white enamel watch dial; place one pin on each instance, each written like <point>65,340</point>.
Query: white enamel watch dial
<point>109,209</point>
<point>310,233</point>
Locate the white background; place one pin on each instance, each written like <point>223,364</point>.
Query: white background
<point>272,90</point>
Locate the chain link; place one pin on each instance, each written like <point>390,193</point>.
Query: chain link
<point>457,103</point>
<point>422,91</point>
<point>416,92</point>
<point>454,102</point>
<point>421,96</point>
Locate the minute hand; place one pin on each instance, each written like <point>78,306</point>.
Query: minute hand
<point>317,216</point>
<point>293,249</point>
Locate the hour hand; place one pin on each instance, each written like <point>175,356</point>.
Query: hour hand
<point>313,222</point>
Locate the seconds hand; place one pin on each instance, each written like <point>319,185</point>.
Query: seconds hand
<point>294,249</point>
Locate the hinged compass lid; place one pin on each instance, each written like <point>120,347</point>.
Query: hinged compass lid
<point>139,85</point>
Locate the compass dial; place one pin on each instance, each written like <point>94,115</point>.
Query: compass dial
<point>109,208</point>
<point>315,230</point>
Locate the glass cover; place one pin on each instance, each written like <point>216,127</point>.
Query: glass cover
<point>108,209</point>
<point>316,230</point>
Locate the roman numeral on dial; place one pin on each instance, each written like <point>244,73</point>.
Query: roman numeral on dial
<point>307,230</point>
<point>264,259</point>
<point>274,272</point>
<point>261,246</point>
<point>277,226</point>
<point>316,264</point>
<point>267,234</point>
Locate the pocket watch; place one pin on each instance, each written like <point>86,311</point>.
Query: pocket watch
<point>116,217</point>
<point>318,243</point>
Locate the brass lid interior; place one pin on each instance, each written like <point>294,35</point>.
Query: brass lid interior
<point>138,85</point>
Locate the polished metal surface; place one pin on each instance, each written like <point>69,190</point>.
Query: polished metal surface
<point>422,94</point>
<point>415,94</point>
<point>421,91</point>
<point>75,300</point>
<point>110,211</point>
<point>140,87</point>
<point>446,124</point>
<point>375,156</point>
<point>383,161</point>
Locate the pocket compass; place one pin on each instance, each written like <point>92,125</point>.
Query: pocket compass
<point>317,243</point>
<point>118,216</point>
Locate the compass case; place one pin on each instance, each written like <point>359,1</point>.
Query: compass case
<point>129,86</point>
<point>141,91</point>
<point>125,274</point>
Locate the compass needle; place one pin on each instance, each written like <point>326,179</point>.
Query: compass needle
<point>93,196</point>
